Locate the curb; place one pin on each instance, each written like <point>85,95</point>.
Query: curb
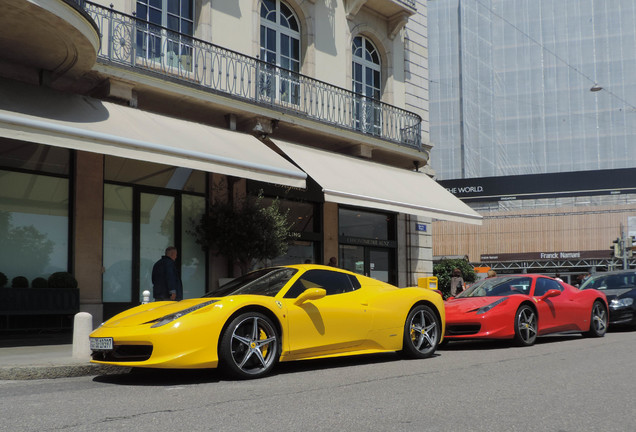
<point>58,371</point>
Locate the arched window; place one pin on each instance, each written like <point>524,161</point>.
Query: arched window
<point>365,74</point>
<point>280,48</point>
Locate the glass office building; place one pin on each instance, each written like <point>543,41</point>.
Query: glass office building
<point>533,123</point>
<point>511,80</point>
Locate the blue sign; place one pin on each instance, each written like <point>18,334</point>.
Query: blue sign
<point>420,227</point>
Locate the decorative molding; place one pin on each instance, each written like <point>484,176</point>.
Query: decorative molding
<point>352,7</point>
<point>397,23</point>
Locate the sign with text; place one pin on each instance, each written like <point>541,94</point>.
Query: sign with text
<point>420,227</point>
<point>533,186</point>
<point>547,256</point>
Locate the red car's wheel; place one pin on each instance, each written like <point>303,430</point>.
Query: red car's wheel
<point>421,333</point>
<point>249,346</point>
<point>598,320</point>
<point>525,326</point>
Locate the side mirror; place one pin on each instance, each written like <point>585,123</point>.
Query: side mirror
<point>550,293</point>
<point>310,294</point>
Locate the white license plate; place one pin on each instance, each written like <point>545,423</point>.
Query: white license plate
<point>101,344</point>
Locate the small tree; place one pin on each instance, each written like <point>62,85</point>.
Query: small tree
<point>444,271</point>
<point>245,233</point>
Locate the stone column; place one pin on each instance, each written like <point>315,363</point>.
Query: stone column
<point>88,212</point>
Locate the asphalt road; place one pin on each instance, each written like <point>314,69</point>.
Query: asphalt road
<point>563,383</point>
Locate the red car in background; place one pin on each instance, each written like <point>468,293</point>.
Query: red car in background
<point>522,307</point>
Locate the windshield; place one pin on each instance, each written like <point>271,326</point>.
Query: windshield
<point>497,287</point>
<point>611,281</point>
<point>265,282</point>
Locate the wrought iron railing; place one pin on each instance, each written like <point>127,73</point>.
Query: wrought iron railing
<point>131,42</point>
<point>410,3</point>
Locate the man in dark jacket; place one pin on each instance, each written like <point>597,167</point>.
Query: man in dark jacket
<point>166,283</point>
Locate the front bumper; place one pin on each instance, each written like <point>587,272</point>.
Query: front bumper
<point>622,315</point>
<point>180,345</point>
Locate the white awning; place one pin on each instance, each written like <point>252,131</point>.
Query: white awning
<point>362,183</point>
<point>44,116</point>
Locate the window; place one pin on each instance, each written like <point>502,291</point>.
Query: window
<point>34,220</point>
<point>280,49</point>
<point>544,285</point>
<point>366,82</point>
<point>330,281</point>
<point>171,47</point>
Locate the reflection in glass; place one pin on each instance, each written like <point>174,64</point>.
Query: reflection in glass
<point>379,264</point>
<point>118,253</point>
<point>34,157</point>
<point>299,252</point>
<point>352,258</point>
<point>33,225</point>
<point>152,174</point>
<point>156,228</point>
<point>192,255</point>
<point>361,224</point>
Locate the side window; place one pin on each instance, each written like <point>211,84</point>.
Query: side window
<point>330,281</point>
<point>544,285</point>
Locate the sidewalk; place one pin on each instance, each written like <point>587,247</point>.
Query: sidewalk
<point>48,361</point>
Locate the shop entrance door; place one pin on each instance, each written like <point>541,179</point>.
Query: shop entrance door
<point>138,226</point>
<point>377,263</point>
<point>157,221</point>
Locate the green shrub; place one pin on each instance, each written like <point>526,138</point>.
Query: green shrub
<point>19,282</point>
<point>62,280</point>
<point>3,280</point>
<point>444,269</point>
<point>39,282</point>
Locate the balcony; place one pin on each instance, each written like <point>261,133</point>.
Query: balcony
<point>396,12</point>
<point>54,40</point>
<point>140,46</point>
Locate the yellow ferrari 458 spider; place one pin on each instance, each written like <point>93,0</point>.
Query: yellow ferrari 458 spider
<point>276,314</point>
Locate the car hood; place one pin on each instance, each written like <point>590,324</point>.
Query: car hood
<point>618,292</point>
<point>465,305</point>
<point>149,312</point>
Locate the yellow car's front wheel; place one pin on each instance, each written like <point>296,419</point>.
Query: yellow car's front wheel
<point>421,332</point>
<point>249,346</point>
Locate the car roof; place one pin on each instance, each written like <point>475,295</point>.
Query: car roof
<point>614,272</point>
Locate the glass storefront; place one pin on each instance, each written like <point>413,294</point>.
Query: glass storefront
<point>34,210</point>
<point>154,209</point>
<point>302,216</point>
<point>368,243</point>
<point>118,247</point>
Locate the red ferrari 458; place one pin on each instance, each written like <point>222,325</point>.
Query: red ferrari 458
<point>522,307</point>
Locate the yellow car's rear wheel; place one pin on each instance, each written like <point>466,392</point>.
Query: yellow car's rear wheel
<point>421,332</point>
<point>249,346</point>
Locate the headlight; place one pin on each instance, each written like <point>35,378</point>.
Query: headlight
<point>484,309</point>
<point>169,318</point>
<point>616,303</point>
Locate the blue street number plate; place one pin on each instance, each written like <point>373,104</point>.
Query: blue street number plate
<point>101,344</point>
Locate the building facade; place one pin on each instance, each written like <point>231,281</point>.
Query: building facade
<point>121,121</point>
<point>533,115</point>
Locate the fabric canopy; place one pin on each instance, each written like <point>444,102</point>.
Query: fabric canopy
<point>44,116</point>
<point>362,183</point>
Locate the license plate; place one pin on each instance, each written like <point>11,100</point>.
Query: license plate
<point>101,344</point>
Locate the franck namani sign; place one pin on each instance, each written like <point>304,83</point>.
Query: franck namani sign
<point>546,256</point>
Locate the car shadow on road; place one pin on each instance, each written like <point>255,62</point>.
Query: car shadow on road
<point>492,344</point>
<point>171,377</point>
<point>161,377</point>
